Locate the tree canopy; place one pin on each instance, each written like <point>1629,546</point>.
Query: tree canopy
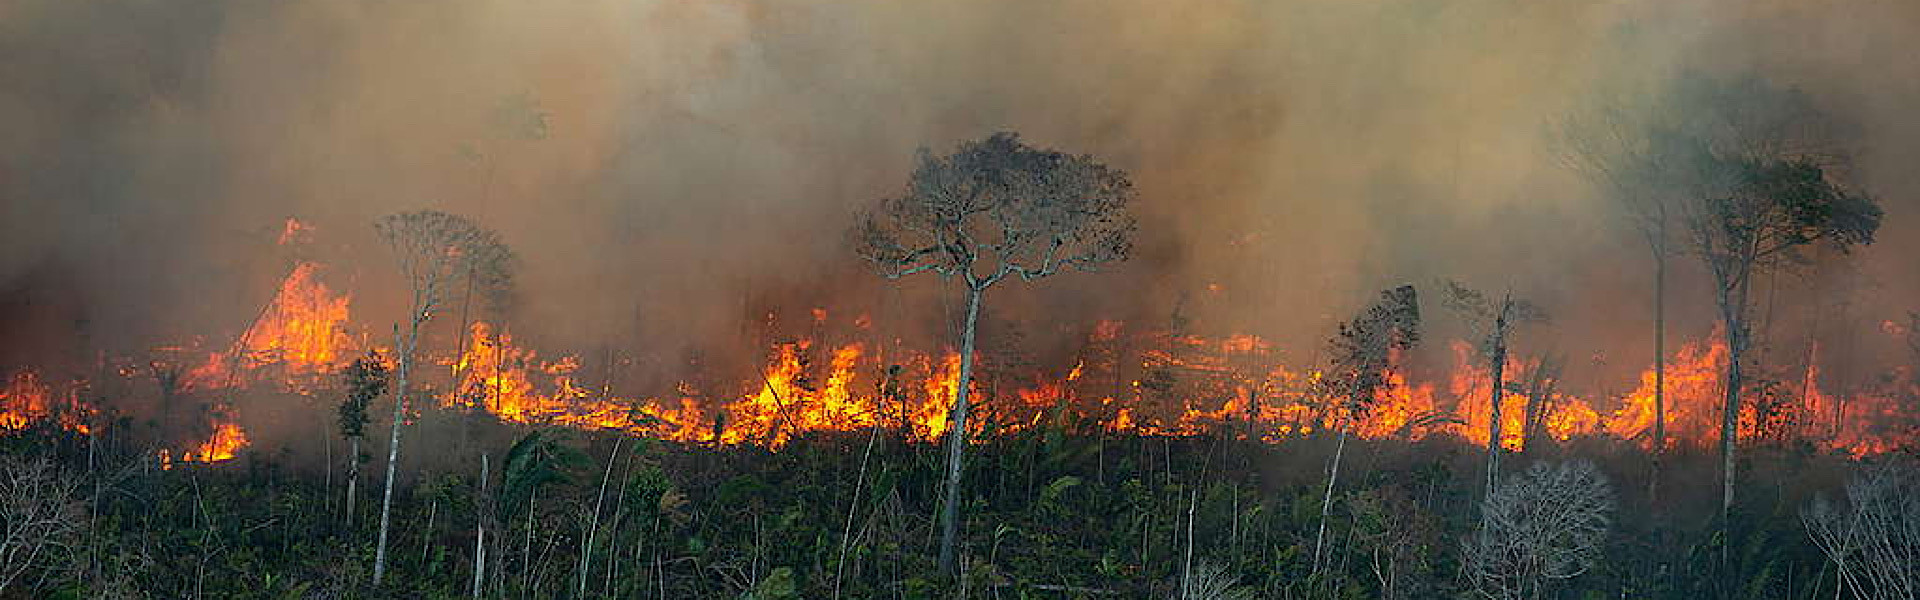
<point>998,207</point>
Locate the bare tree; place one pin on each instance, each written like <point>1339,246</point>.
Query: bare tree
<point>1611,145</point>
<point>1363,352</point>
<point>1874,540</point>
<point>1548,523</point>
<point>1210,580</point>
<point>1541,387</point>
<point>434,250</point>
<point>993,209</point>
<point>39,519</point>
<point>1492,322</point>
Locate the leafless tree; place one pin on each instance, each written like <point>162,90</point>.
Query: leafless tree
<point>1363,352</point>
<point>434,250</point>
<point>1874,539</point>
<point>1493,323</point>
<point>1211,581</point>
<point>993,209</point>
<point>1549,523</point>
<point>40,518</point>
<point>1541,387</point>
<point>1612,145</point>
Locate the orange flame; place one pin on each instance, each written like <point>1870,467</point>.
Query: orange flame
<point>303,329</point>
<point>25,400</point>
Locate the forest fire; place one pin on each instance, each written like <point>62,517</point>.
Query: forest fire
<point>1190,385</point>
<point>301,331</point>
<point>223,444</point>
<point>1165,385</point>
<point>26,400</point>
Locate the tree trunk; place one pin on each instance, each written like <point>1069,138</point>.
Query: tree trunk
<point>353,480</point>
<point>393,443</point>
<point>426,548</point>
<point>1733,306</point>
<point>593,523</point>
<point>1730,412</point>
<point>1499,373</point>
<point>1659,369</point>
<point>1326,502</point>
<point>1532,426</point>
<point>526,553</point>
<point>957,439</point>
<point>480,531</point>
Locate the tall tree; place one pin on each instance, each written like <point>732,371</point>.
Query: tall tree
<point>366,379</point>
<point>995,208</point>
<point>1772,206</point>
<point>1364,352</point>
<point>1612,145</point>
<point>1760,184</point>
<point>1747,173</point>
<point>434,250</point>
<point>1493,322</point>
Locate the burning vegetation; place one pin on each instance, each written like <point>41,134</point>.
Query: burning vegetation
<point>735,337</point>
<point>1124,380</point>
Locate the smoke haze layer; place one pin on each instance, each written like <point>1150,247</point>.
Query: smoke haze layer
<point>670,170</point>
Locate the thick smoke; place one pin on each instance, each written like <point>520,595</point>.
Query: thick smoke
<point>669,171</point>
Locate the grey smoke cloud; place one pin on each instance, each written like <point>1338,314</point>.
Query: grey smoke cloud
<point>703,158</point>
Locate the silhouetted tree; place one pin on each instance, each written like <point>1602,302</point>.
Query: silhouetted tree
<point>1615,147</point>
<point>1743,169</point>
<point>993,209</point>
<point>1758,188</point>
<point>1492,322</point>
<point>1363,352</point>
<point>366,379</point>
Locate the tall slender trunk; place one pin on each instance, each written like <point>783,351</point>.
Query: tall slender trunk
<point>353,481</point>
<point>613,533</point>
<point>1326,501</point>
<point>480,531</point>
<point>1530,420</point>
<point>526,552</point>
<point>1659,370</point>
<point>957,439</point>
<point>593,523</point>
<point>326,449</point>
<point>1499,373</point>
<point>853,506</point>
<point>1733,309</point>
<point>426,548</point>
<point>393,442</point>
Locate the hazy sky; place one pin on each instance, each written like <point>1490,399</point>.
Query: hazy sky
<point>703,158</point>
